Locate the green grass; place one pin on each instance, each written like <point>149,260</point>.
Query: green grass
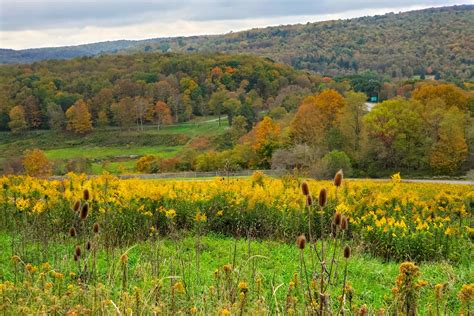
<point>114,167</point>
<point>112,136</point>
<point>195,128</point>
<point>111,152</point>
<point>110,143</point>
<point>275,262</point>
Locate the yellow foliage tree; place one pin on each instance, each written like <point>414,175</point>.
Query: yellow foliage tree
<point>266,140</point>
<point>450,150</point>
<point>36,164</point>
<point>79,119</point>
<point>17,122</point>
<point>265,131</point>
<point>449,93</point>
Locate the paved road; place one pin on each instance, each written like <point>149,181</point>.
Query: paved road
<point>440,181</point>
<point>209,176</point>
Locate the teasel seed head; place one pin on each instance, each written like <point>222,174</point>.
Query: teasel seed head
<point>95,228</point>
<point>322,197</point>
<point>77,206</point>
<point>78,251</point>
<point>301,242</point>
<point>72,232</point>
<point>88,245</point>
<point>309,200</point>
<point>344,223</point>
<point>86,195</point>
<point>347,252</point>
<point>322,298</point>
<point>124,259</point>
<point>338,178</point>
<point>337,218</point>
<point>305,188</point>
<point>84,211</point>
<point>333,230</point>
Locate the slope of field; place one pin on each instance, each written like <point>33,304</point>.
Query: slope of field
<point>434,41</point>
<point>108,149</point>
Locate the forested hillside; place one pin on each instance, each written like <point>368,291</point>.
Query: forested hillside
<point>278,117</point>
<point>139,89</point>
<point>433,42</point>
<point>428,42</point>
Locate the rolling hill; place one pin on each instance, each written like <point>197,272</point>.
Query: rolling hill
<point>437,41</point>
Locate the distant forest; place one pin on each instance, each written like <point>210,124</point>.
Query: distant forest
<point>433,43</point>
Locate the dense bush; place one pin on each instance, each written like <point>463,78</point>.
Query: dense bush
<point>330,164</point>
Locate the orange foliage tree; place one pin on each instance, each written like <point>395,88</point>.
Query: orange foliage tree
<point>36,164</point>
<point>315,116</point>
<point>162,114</point>
<point>267,139</point>
<point>79,118</point>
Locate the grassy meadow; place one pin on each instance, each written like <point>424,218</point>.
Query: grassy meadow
<point>110,149</point>
<point>106,246</point>
<point>274,263</point>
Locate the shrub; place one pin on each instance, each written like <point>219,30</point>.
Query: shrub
<point>331,163</point>
<point>36,164</point>
<point>208,161</point>
<point>78,165</point>
<point>300,156</point>
<point>152,164</point>
<point>147,164</point>
<point>200,143</point>
<point>13,166</point>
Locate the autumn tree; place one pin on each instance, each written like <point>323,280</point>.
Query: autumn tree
<point>450,150</point>
<point>350,122</point>
<point>141,105</point>
<point>36,164</point>
<point>216,103</point>
<point>192,97</point>
<point>17,122</point>
<point>56,117</point>
<point>396,134</point>
<point>316,116</point>
<point>162,114</point>
<point>266,140</point>
<point>103,119</point>
<point>32,112</point>
<point>79,118</point>
<point>449,93</point>
<point>239,128</point>
<point>101,102</point>
<point>124,113</point>
<point>231,107</point>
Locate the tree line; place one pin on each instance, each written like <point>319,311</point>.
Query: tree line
<point>278,117</point>
<point>134,90</point>
<point>428,133</point>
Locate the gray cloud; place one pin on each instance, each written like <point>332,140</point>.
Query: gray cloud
<point>20,15</point>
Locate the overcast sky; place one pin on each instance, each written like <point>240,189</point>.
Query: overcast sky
<point>44,23</point>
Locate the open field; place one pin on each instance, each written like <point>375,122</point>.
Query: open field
<point>273,262</point>
<point>111,152</point>
<point>226,246</point>
<point>117,149</point>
